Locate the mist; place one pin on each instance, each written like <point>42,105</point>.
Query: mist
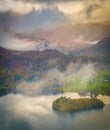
<point>30,113</point>
<point>54,78</point>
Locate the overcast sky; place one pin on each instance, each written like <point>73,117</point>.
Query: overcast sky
<point>26,15</point>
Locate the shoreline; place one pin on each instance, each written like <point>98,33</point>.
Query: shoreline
<point>50,98</point>
<point>74,95</point>
<point>104,98</point>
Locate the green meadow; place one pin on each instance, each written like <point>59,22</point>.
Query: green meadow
<point>99,84</point>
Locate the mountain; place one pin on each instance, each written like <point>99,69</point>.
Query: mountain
<point>98,52</point>
<point>103,45</point>
<point>45,52</point>
<point>34,60</point>
<point>44,44</point>
<point>70,36</point>
<point>45,56</point>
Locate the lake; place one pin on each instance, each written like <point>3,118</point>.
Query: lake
<point>18,112</point>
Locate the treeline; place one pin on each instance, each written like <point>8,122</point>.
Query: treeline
<point>67,104</point>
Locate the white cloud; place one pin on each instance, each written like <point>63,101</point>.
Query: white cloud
<point>70,8</point>
<point>86,11</point>
<point>12,43</point>
<point>20,7</point>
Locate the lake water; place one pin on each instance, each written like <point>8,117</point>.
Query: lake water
<point>18,112</point>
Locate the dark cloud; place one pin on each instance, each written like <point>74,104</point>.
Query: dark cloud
<point>52,1</point>
<point>58,0</point>
<point>45,18</point>
<point>7,19</point>
<point>91,8</point>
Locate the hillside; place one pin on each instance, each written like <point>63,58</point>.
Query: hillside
<point>33,59</point>
<point>18,66</point>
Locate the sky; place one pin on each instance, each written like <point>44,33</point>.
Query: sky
<point>22,16</point>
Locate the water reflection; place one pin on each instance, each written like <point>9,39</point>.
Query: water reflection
<point>74,113</point>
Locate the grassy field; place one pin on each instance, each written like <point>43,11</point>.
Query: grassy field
<point>100,84</point>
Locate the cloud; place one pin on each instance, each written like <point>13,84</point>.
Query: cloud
<point>77,10</point>
<point>18,6</point>
<point>90,8</point>
<point>7,19</point>
<point>29,15</point>
<point>12,23</point>
<point>47,12</point>
<point>85,10</point>
<point>12,43</point>
<point>31,113</point>
<point>69,8</point>
<point>46,18</point>
<point>102,13</point>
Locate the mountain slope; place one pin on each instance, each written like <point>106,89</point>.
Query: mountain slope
<point>103,45</point>
<point>99,51</point>
<point>34,59</point>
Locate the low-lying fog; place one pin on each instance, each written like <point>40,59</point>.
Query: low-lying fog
<point>54,78</point>
<point>18,112</point>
